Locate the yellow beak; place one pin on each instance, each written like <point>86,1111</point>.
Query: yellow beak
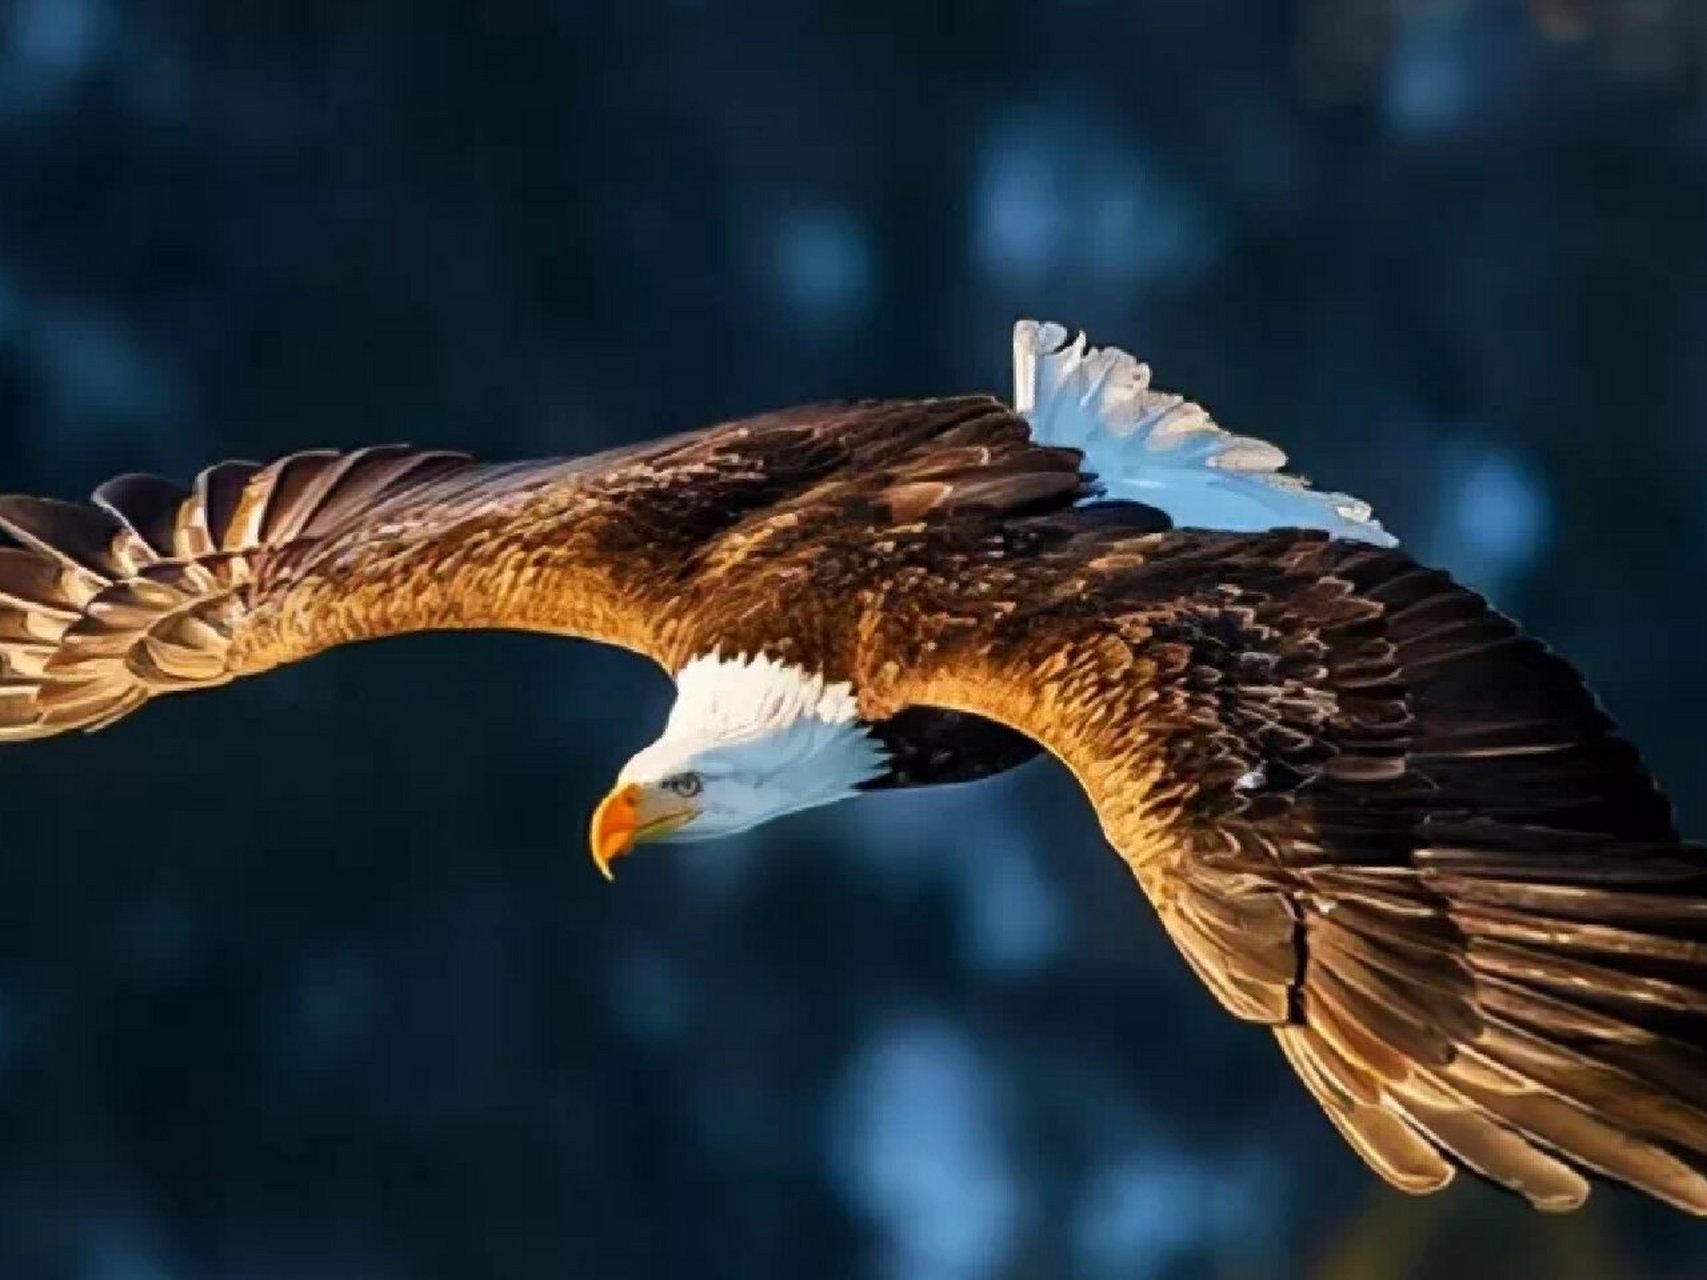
<point>630,815</point>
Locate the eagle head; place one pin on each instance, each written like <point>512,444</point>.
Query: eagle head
<point>748,740</point>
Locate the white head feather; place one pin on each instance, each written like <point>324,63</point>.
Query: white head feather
<point>764,737</point>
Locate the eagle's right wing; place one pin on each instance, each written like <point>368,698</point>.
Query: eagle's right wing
<point>160,588</point>
<point>1376,818</point>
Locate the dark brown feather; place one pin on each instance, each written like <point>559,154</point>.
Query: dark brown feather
<point>148,505</point>
<point>77,536</point>
<point>1455,1124</point>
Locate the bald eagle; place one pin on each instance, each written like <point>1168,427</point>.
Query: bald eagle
<point>1375,816</point>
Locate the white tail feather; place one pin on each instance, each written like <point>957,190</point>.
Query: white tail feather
<point>1161,449</point>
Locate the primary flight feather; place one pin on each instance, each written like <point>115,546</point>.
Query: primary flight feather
<point>1373,815</point>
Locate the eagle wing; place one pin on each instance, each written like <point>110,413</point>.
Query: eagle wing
<point>1376,817</point>
<point>157,587</point>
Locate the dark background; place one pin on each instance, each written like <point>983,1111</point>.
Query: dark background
<point>312,980</point>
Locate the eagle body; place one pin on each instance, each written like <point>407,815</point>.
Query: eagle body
<point>1375,817</point>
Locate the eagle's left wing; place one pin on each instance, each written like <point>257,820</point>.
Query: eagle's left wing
<point>1377,818</point>
<point>156,587</point>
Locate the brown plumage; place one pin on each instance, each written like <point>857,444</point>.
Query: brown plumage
<point>1372,814</point>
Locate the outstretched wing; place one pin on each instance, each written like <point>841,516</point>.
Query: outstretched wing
<point>1377,818</point>
<point>159,588</point>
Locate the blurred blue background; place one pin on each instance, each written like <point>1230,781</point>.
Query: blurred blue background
<point>312,979</point>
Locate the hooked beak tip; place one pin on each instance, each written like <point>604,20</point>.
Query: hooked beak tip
<point>615,822</point>
<point>629,815</point>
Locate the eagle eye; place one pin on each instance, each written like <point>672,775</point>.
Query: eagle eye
<point>685,785</point>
